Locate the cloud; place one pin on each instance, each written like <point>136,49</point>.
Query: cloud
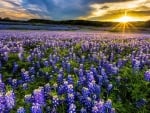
<point>108,11</point>
<point>13,9</point>
<point>104,7</point>
<point>69,9</point>
<point>58,9</point>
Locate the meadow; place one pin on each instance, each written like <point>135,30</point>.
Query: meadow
<point>74,72</point>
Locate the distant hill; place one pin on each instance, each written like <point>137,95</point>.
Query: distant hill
<point>73,22</point>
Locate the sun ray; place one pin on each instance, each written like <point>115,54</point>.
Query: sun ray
<point>125,24</point>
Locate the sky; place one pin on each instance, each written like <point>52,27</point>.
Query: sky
<point>95,10</point>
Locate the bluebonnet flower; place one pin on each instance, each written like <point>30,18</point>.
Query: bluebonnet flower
<point>60,78</point>
<point>14,83</point>
<point>109,87</point>
<point>70,98</point>
<point>2,87</point>
<point>82,58</point>
<point>55,101</point>
<point>70,79</point>
<point>91,86</point>
<point>39,55</point>
<point>53,110</point>
<point>88,102</point>
<point>21,110</point>
<point>46,63</point>
<point>63,64</point>
<point>5,56</point>
<point>0,77</point>
<point>100,105</point>
<point>94,71</point>
<point>55,68</point>
<point>65,84</point>
<point>20,82</point>
<point>31,70</point>
<point>37,65</point>
<point>100,80</point>
<point>15,67</point>
<point>81,81</point>
<point>90,77</point>
<point>147,76</point>
<point>136,64</point>
<point>113,110</point>
<point>32,78</point>
<point>61,89</point>
<point>111,57</point>
<point>26,77</point>
<point>36,108</point>
<point>81,66</point>
<point>2,103</point>
<point>20,56</point>
<point>70,88</point>
<point>29,58</point>
<point>68,67</point>
<point>85,92</point>
<point>72,108</point>
<point>0,65</point>
<point>114,70</point>
<point>108,106</point>
<point>9,80</point>
<point>83,110</point>
<point>47,88</point>
<point>140,103</point>
<point>28,98</point>
<point>25,86</point>
<point>120,63</point>
<point>38,96</point>
<point>80,72</point>
<point>97,90</point>
<point>95,110</point>
<point>103,73</point>
<point>22,71</point>
<point>10,99</point>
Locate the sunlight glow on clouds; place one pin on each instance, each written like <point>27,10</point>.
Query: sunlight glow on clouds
<point>14,10</point>
<point>115,10</point>
<point>100,10</point>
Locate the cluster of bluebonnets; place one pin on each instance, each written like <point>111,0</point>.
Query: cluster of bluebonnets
<point>74,72</point>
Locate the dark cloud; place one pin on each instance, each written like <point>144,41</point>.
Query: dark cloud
<point>13,3</point>
<point>104,7</point>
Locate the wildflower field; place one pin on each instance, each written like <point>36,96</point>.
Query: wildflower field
<point>74,72</point>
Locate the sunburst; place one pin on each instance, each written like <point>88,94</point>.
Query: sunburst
<point>124,23</point>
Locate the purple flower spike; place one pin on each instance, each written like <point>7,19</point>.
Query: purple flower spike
<point>38,95</point>
<point>147,75</point>
<point>36,108</point>
<point>72,109</point>
<point>2,103</point>
<point>21,110</point>
<point>95,110</point>
<point>83,110</point>
<point>10,99</point>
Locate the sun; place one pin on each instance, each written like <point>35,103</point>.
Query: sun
<point>125,19</point>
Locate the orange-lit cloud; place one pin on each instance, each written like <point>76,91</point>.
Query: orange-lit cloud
<point>100,10</point>
<point>137,9</point>
<point>14,10</point>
